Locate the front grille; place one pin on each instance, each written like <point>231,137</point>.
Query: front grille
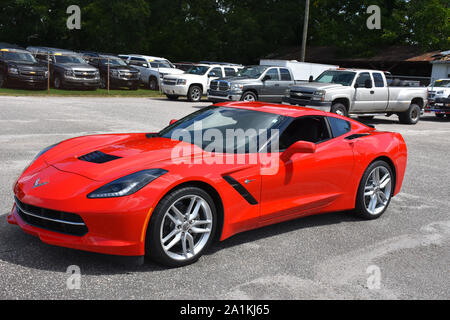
<point>217,93</point>
<point>170,82</point>
<point>85,74</point>
<point>36,74</point>
<point>129,75</point>
<point>57,221</point>
<point>219,85</point>
<point>98,157</point>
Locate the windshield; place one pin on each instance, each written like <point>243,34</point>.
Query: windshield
<point>229,130</point>
<point>113,62</point>
<point>199,70</point>
<point>253,72</point>
<point>162,64</point>
<point>339,77</point>
<point>18,56</point>
<point>69,59</point>
<point>442,83</point>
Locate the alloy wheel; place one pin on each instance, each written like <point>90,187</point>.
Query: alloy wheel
<point>186,227</point>
<point>377,191</point>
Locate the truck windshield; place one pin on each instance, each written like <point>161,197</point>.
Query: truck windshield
<point>442,83</point>
<point>162,64</point>
<point>253,72</point>
<point>18,56</point>
<point>113,62</point>
<point>339,77</point>
<point>198,70</point>
<point>68,59</point>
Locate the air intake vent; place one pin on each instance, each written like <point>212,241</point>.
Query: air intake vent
<point>98,157</point>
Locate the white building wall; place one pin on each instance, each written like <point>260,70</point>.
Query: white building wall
<point>440,71</point>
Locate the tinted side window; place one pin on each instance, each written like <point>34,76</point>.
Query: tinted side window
<point>339,126</point>
<point>273,74</point>
<point>362,79</point>
<point>378,79</point>
<point>216,72</point>
<point>230,72</point>
<point>285,75</point>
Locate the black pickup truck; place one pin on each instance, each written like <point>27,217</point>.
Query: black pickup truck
<point>18,68</point>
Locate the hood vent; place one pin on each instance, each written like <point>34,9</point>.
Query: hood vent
<point>98,157</point>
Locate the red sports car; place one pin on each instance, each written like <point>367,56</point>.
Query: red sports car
<point>225,169</point>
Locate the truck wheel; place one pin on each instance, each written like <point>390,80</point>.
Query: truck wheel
<point>339,109</point>
<point>57,82</point>
<point>194,94</point>
<point>103,84</point>
<point>249,96</point>
<point>411,116</point>
<point>153,83</point>
<point>172,97</point>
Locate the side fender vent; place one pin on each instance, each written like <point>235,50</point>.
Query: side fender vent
<point>356,136</point>
<point>98,157</point>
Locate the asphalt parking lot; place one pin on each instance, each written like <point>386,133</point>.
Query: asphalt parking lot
<point>320,257</point>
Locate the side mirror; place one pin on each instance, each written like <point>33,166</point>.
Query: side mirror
<point>311,79</point>
<point>298,147</point>
<point>356,85</point>
<point>172,121</point>
<point>145,65</point>
<point>266,77</point>
<point>368,84</point>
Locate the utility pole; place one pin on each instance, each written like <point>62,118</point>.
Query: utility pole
<point>305,31</point>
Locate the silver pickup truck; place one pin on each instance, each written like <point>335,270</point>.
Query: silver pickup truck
<point>361,92</point>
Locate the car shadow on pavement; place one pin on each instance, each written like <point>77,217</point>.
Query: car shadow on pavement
<point>21,249</point>
<point>285,227</point>
<point>435,119</point>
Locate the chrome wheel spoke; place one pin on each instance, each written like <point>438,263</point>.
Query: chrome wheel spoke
<point>180,216</point>
<point>173,242</point>
<point>199,230</point>
<point>170,235</point>
<point>384,181</point>
<point>373,203</point>
<point>377,190</point>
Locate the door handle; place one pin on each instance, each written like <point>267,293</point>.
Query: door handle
<point>277,85</point>
<point>372,92</point>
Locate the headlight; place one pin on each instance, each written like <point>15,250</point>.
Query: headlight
<point>127,185</point>
<point>69,73</point>
<point>319,95</point>
<point>46,74</point>
<point>161,75</point>
<point>13,70</point>
<point>181,82</point>
<point>114,73</point>
<point>237,86</point>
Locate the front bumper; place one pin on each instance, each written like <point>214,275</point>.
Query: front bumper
<point>118,82</point>
<point>80,82</point>
<point>180,90</point>
<point>27,81</point>
<point>216,96</point>
<point>115,226</point>
<point>319,105</point>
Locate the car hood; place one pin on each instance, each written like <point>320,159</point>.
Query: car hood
<point>238,79</point>
<point>121,68</point>
<point>170,71</point>
<point>27,65</point>
<point>186,76</point>
<point>77,66</point>
<point>317,85</point>
<point>130,153</point>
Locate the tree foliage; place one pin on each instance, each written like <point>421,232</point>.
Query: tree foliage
<point>228,30</point>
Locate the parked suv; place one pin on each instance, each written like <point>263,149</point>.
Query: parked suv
<point>195,82</point>
<point>263,83</point>
<point>120,74</point>
<point>67,68</point>
<point>438,89</point>
<point>153,69</point>
<point>19,68</point>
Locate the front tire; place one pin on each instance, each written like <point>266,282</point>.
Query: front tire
<point>375,191</point>
<point>339,109</point>
<point>153,84</point>
<point>57,83</point>
<point>181,228</point>
<point>411,116</point>
<point>195,94</point>
<point>249,96</point>
<point>2,80</point>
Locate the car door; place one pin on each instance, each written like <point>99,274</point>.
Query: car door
<point>308,182</point>
<point>142,65</point>
<point>213,74</point>
<point>381,92</point>
<point>286,81</point>
<point>271,85</point>
<point>363,98</point>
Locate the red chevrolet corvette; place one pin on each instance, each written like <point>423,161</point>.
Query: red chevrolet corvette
<point>225,169</point>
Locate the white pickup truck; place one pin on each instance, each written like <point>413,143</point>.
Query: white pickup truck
<point>361,92</point>
<point>195,82</point>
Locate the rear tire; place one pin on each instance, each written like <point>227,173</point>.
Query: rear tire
<point>375,191</point>
<point>195,93</point>
<point>411,116</point>
<point>176,234</point>
<point>339,109</point>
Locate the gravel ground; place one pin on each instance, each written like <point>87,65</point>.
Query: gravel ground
<point>318,257</point>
